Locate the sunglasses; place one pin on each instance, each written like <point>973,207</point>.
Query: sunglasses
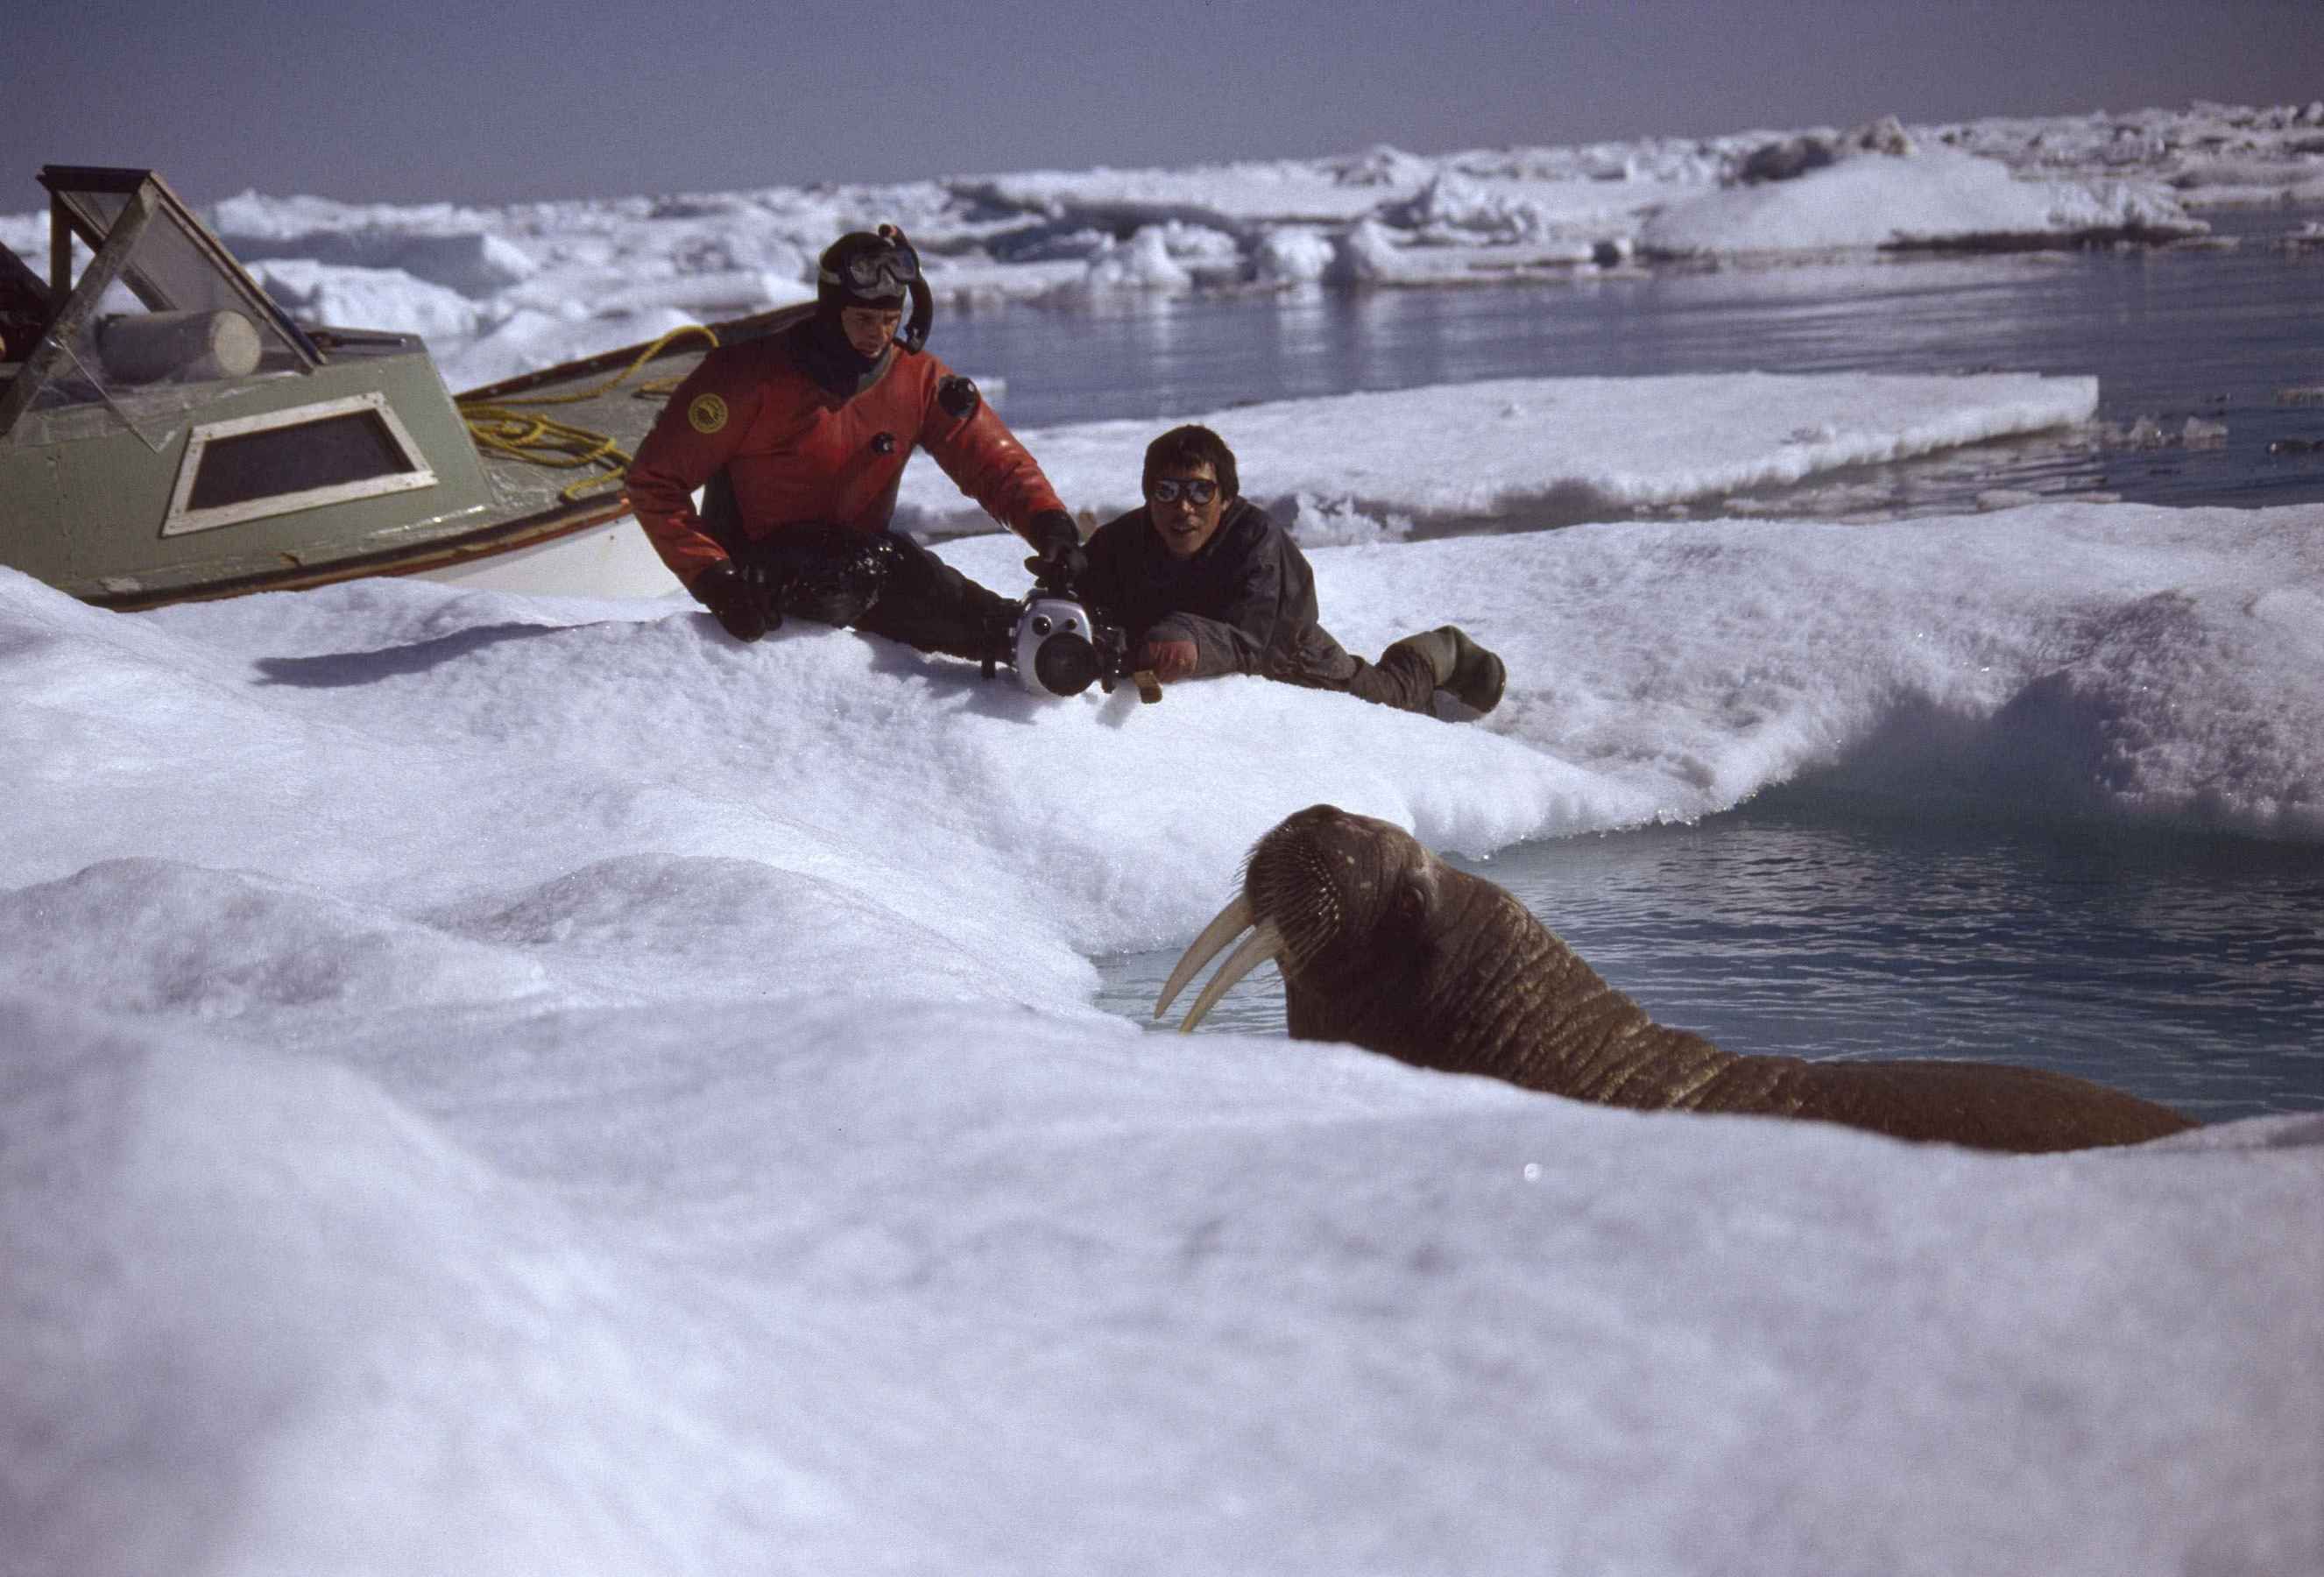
<point>1197,489</point>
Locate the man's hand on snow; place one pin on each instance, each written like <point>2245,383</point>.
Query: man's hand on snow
<point>740,605</point>
<point>1169,659</point>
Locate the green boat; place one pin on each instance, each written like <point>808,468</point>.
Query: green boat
<point>168,433</point>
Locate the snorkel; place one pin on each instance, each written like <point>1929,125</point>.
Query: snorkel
<point>916,284</point>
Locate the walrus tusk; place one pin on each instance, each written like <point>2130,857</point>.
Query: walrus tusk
<point>1229,923</point>
<point>1261,945</point>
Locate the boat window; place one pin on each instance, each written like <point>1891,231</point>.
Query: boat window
<point>254,467</point>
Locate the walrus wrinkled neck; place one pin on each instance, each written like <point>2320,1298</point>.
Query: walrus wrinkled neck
<point>1516,1003</point>
<point>1477,985</point>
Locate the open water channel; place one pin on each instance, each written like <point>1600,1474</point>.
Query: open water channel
<point>1822,919</point>
<point>2221,334</point>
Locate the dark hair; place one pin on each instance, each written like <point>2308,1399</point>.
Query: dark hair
<point>1191,445</point>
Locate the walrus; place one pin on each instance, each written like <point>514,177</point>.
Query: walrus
<point>1382,945</point>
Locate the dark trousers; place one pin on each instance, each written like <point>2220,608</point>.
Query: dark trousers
<point>922,601</point>
<point>930,606</point>
<point>1401,678</point>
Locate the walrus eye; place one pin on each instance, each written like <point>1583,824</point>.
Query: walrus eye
<point>1411,902</point>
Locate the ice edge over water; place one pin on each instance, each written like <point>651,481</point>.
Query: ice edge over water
<point>1526,452</point>
<point>501,290</point>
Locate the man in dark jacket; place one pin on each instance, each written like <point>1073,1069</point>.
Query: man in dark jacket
<point>798,441</point>
<point>1206,583</point>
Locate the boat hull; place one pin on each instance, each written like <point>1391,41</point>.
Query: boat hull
<point>309,456</point>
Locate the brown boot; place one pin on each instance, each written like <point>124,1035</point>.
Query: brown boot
<point>1434,649</point>
<point>1475,676</point>
<point>1478,676</point>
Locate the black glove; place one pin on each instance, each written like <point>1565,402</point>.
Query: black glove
<point>740,605</point>
<point>1058,561</point>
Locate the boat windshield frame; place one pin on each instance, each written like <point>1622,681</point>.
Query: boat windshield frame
<point>75,201</point>
<point>143,239</point>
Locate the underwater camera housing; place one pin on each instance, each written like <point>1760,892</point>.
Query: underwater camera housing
<point>1058,649</point>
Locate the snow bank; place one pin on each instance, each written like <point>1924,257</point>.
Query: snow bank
<point>512,1082</point>
<point>922,1292</point>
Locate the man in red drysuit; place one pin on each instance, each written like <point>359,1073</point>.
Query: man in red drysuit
<point>799,440</point>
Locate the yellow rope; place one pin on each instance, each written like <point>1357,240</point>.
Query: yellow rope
<point>498,427</point>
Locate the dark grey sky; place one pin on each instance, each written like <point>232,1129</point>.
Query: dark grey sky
<point>433,98</point>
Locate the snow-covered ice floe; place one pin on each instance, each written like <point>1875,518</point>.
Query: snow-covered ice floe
<point>492,1082</point>
<point>1933,199</point>
<point>1536,451</point>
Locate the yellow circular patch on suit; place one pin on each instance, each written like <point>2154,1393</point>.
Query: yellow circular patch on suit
<point>707,413</point>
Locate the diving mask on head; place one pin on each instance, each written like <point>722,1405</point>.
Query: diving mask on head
<point>877,269</point>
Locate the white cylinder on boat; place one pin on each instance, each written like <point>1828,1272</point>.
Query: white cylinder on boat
<point>179,347</point>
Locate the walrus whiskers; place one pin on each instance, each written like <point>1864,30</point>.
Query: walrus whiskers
<point>1287,940</point>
